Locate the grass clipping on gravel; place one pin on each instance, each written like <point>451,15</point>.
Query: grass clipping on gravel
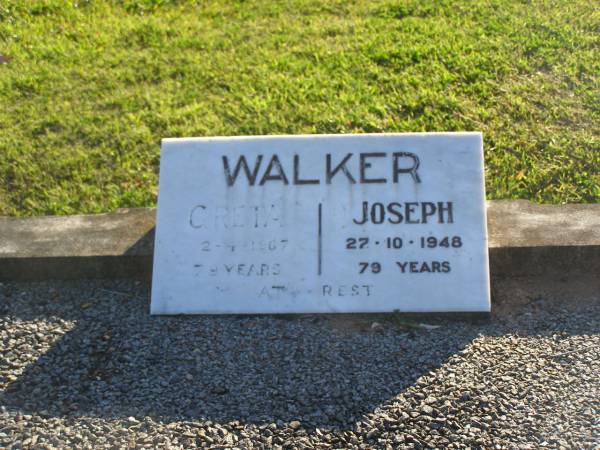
<point>88,88</point>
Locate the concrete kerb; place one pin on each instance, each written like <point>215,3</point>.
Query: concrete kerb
<point>524,240</point>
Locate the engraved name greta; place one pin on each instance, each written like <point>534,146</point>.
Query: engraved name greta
<point>321,224</point>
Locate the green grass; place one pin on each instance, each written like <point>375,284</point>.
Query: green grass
<point>91,87</point>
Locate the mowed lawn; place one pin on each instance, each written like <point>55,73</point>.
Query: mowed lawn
<point>88,88</point>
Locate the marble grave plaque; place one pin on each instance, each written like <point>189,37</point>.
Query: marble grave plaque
<point>321,223</point>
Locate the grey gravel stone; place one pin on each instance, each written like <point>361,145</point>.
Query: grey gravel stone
<point>84,365</point>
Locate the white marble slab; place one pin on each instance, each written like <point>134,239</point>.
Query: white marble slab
<point>333,223</point>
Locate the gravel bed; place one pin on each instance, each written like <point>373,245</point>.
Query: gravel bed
<point>84,365</point>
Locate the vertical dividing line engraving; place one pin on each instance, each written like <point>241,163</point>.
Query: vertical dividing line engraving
<point>320,240</point>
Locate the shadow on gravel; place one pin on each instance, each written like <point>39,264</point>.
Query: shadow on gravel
<point>118,361</point>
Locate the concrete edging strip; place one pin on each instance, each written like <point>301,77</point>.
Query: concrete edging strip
<point>524,240</point>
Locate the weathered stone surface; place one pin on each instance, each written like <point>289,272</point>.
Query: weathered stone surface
<point>524,239</point>
<point>519,223</point>
<point>86,246</point>
<point>528,239</point>
<point>321,224</point>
